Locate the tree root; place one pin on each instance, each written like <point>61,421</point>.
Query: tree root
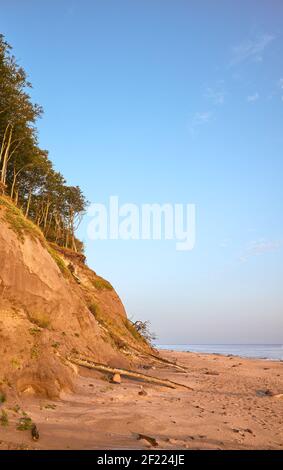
<point>89,364</point>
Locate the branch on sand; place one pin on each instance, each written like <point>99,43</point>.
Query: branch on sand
<point>169,363</point>
<point>78,360</point>
<point>142,353</point>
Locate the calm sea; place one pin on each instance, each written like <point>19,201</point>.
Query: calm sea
<point>260,351</point>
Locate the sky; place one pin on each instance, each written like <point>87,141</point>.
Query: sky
<point>170,101</point>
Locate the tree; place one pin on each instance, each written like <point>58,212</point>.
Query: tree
<point>143,328</point>
<point>26,172</point>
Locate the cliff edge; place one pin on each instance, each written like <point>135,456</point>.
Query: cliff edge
<point>52,305</point>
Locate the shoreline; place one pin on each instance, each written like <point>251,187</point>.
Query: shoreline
<point>173,351</point>
<point>235,403</point>
<point>264,358</point>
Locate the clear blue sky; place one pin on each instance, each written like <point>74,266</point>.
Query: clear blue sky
<point>171,101</point>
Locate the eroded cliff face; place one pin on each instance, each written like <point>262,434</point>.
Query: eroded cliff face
<point>53,305</point>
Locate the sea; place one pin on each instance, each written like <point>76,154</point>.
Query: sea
<point>256,351</point>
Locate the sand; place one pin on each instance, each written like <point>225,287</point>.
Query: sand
<point>227,409</point>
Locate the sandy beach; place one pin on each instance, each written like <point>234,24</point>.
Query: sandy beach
<point>235,404</point>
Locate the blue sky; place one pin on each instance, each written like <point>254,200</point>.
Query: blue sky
<point>171,101</point>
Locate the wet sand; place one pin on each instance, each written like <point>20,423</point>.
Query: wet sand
<point>233,405</point>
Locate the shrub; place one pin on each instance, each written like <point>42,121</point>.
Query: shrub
<point>4,420</point>
<point>60,263</point>
<point>25,423</point>
<point>94,309</point>
<point>39,319</point>
<point>18,223</point>
<point>3,397</point>
<point>34,353</point>
<point>101,284</point>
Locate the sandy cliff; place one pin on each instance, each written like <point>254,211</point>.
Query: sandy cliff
<point>51,305</point>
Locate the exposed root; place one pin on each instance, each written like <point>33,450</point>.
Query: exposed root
<point>89,364</point>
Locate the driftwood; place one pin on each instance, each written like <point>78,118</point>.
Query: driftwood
<point>152,441</point>
<point>169,363</point>
<point>89,364</point>
<point>159,359</point>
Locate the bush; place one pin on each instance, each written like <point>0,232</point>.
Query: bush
<point>18,223</point>
<point>4,420</point>
<point>143,328</point>
<point>25,423</point>
<point>39,319</point>
<point>3,397</point>
<point>101,284</point>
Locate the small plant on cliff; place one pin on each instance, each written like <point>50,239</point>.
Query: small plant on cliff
<point>2,397</point>
<point>101,284</point>
<point>59,261</point>
<point>26,172</point>
<point>4,420</point>
<point>34,331</point>
<point>25,423</point>
<point>18,223</point>
<point>94,309</point>
<point>34,353</point>
<point>39,319</point>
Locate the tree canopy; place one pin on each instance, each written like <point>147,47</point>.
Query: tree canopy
<point>26,171</point>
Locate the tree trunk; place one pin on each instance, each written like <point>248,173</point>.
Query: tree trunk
<point>46,216</point>
<point>6,158</point>
<point>17,197</point>
<point>14,183</point>
<point>28,204</point>
<point>89,364</point>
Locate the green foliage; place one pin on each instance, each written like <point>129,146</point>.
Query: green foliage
<point>50,407</point>
<point>26,172</point>
<point>101,284</point>
<point>114,332</point>
<point>34,353</point>
<point>34,331</point>
<point>15,363</point>
<point>4,420</point>
<point>144,330</point>
<point>18,223</point>
<point>3,397</point>
<point>16,409</point>
<point>95,310</point>
<point>25,423</point>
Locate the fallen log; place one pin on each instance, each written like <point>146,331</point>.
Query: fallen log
<point>160,359</point>
<point>89,364</point>
<point>152,441</point>
<point>169,363</point>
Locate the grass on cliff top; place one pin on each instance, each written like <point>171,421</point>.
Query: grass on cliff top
<point>134,332</point>
<point>39,319</point>
<point>4,420</point>
<point>16,220</point>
